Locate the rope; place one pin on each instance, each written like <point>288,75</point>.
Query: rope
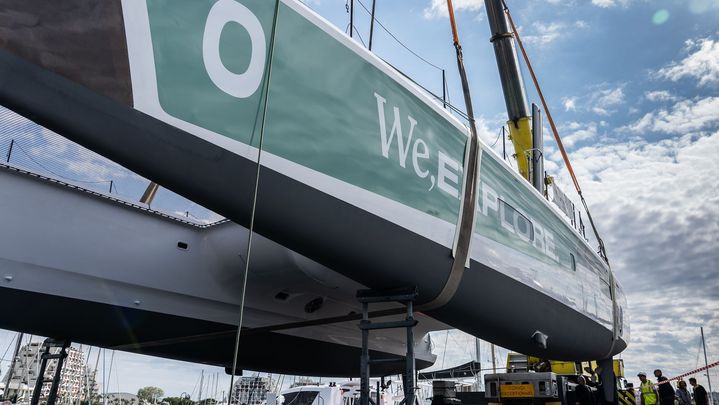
<point>347,28</point>
<point>602,250</point>
<point>499,135</point>
<point>254,196</point>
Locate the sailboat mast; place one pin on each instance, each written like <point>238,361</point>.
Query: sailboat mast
<point>202,380</point>
<point>494,361</point>
<point>478,359</point>
<point>706,362</point>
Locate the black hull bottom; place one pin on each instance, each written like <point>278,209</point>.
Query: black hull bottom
<point>111,326</point>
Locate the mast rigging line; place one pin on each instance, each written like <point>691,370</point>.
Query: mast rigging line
<point>358,34</point>
<point>602,249</point>
<point>7,349</point>
<point>451,106</point>
<point>254,195</point>
<point>397,39</point>
<point>445,83</point>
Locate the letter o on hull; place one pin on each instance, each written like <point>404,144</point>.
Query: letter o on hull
<point>240,85</point>
<point>522,227</point>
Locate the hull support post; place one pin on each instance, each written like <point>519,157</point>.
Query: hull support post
<point>48,355</point>
<point>406,297</point>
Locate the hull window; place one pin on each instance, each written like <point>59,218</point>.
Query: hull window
<point>606,290</point>
<point>516,222</point>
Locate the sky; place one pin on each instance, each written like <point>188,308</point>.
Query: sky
<point>634,88</point>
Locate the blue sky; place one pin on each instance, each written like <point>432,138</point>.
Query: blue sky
<point>634,88</point>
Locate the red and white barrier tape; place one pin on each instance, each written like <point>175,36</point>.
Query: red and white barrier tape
<point>679,377</point>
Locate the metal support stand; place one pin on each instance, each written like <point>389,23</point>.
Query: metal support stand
<point>609,381</point>
<point>47,355</point>
<point>406,297</point>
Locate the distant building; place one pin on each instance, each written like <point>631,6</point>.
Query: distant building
<point>250,390</point>
<point>75,378</point>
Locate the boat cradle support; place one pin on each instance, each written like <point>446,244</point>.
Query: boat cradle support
<point>48,355</point>
<point>406,296</point>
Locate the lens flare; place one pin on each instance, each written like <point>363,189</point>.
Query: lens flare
<point>660,17</point>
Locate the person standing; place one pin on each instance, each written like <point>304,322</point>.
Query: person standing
<point>682,394</point>
<point>700,394</point>
<point>648,393</point>
<point>584,396</point>
<point>666,391</point>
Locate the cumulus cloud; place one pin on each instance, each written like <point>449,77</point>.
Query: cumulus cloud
<point>544,33</point>
<point>656,210</point>
<point>602,99</point>
<point>659,96</point>
<point>670,338</point>
<point>703,6</point>
<point>606,100</point>
<point>683,117</point>
<point>701,63</point>
<point>574,132</point>
<point>438,8</point>
<point>570,103</point>
<point>610,3</point>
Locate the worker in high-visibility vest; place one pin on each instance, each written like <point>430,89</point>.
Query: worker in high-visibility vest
<point>649,393</point>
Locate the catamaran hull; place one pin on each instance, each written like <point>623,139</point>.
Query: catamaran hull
<point>100,270</point>
<point>335,184</point>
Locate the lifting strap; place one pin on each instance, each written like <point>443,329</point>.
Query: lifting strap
<point>465,224</point>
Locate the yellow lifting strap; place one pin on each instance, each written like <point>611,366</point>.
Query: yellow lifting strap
<point>520,133</point>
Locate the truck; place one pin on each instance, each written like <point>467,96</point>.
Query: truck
<point>533,381</point>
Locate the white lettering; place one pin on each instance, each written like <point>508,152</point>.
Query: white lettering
<point>549,241</point>
<point>539,237</point>
<point>240,85</point>
<point>516,222</point>
<point>416,155</point>
<point>444,173</point>
<point>489,199</point>
<point>396,129</point>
